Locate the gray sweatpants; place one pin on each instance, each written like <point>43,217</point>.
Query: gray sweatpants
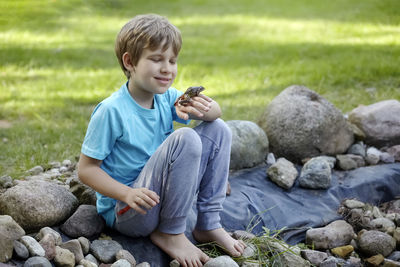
<point>189,164</point>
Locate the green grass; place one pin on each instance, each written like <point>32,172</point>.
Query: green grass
<point>57,61</point>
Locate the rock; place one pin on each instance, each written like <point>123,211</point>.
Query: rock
<point>121,263</point>
<point>349,161</point>
<point>221,261</point>
<point>249,251</point>
<point>315,257</point>
<point>357,149</point>
<point>336,234</point>
<point>396,235</point>
<point>343,251</point>
<point>9,231</point>
<point>376,212</point>
<point>85,244</point>
<point>37,262</point>
<point>250,264</point>
<point>271,159</point>
<point>75,247</point>
<point>143,264</point>
<point>283,173</point>
<point>47,230</point>
<point>353,204</point>
<point>87,263</point>
<point>20,250</point>
<point>373,156</point>
<point>395,256</point>
<point>382,224</point>
<point>390,263</point>
<point>174,263</point>
<point>285,255</point>
<point>394,151</point>
<point>385,157</point>
<point>91,258</point>
<point>6,181</point>
<point>84,222</point>
<point>353,262</point>
<point>380,122</point>
<point>64,258</point>
<point>249,144</point>
<point>315,174</point>
<point>48,243</point>
<point>332,262</point>
<point>84,193</point>
<point>35,249</point>
<point>36,170</point>
<point>375,260</point>
<point>35,204</point>
<point>375,242</point>
<point>105,250</point>
<point>301,124</point>
<point>243,235</point>
<point>126,255</point>
<point>330,160</point>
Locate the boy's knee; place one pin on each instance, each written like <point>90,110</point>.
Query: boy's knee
<point>189,139</point>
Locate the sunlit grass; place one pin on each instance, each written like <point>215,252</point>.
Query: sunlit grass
<point>57,61</point>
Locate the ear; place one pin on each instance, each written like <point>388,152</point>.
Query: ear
<point>126,59</point>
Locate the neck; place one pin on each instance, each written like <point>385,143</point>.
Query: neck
<point>142,98</point>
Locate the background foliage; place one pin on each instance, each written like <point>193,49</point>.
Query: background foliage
<point>57,61</point>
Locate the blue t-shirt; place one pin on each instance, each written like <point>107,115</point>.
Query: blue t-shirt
<point>124,135</point>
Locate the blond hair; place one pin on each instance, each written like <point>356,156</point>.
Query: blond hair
<point>146,31</point>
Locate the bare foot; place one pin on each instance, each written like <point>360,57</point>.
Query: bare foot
<point>234,247</point>
<point>180,248</point>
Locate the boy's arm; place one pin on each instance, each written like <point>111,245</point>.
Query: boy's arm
<point>200,107</point>
<point>90,173</point>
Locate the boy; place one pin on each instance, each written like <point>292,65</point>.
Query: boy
<point>146,175</point>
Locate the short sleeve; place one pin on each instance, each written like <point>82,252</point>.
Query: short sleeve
<point>103,130</point>
<point>173,95</point>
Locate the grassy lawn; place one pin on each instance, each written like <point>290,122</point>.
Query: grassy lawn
<point>57,61</point>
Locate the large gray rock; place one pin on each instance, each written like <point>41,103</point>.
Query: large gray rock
<point>336,234</point>
<point>35,204</point>
<point>249,144</point>
<point>375,242</point>
<point>380,122</point>
<point>84,222</point>
<point>37,262</point>
<point>301,124</point>
<point>9,231</point>
<point>105,250</point>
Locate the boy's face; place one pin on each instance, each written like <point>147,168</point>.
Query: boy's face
<point>155,71</point>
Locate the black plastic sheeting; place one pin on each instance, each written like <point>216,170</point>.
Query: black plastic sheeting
<point>256,202</point>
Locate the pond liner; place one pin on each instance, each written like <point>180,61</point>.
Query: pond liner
<point>256,202</point>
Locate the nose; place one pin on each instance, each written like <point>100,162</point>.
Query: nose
<point>166,67</point>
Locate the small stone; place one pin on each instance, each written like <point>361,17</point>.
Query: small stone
<point>105,250</point>
<point>35,249</point>
<point>84,222</point>
<point>375,242</point>
<point>250,264</point>
<point>315,174</point>
<point>395,256</point>
<point>87,263</point>
<point>375,260</point>
<point>345,162</point>
<point>37,262</point>
<point>386,158</point>
<point>243,235</point>
<point>126,255</point>
<point>174,263</point>
<point>221,261</point>
<point>75,247</point>
<point>91,258</point>
<point>67,163</point>
<point>55,164</point>
<point>64,258</point>
<point>271,159</point>
<point>249,251</point>
<point>121,263</point>
<point>48,230</point>
<point>390,263</point>
<point>353,204</point>
<point>332,262</point>
<point>373,156</point>
<point>382,224</point>
<point>314,256</point>
<point>394,151</point>
<point>283,173</point>
<point>48,243</point>
<point>376,212</point>
<point>6,181</point>
<point>343,251</point>
<point>21,250</point>
<point>85,244</point>
<point>36,170</point>
<point>357,149</point>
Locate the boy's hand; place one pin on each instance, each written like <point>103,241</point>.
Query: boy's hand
<point>139,198</point>
<point>198,106</point>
